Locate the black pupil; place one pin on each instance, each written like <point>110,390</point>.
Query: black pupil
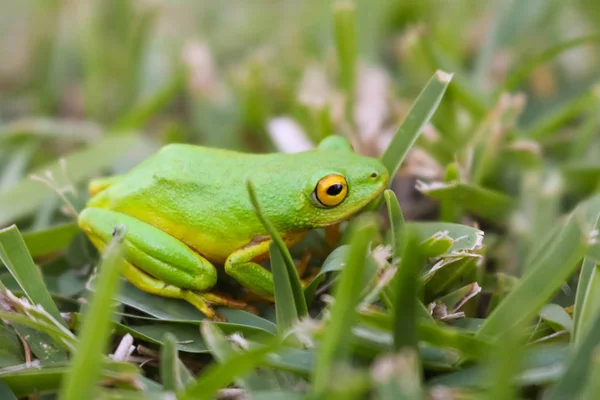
<point>335,189</point>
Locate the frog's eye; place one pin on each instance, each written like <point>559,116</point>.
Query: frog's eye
<point>331,190</point>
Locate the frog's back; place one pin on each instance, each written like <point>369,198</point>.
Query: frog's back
<point>193,193</point>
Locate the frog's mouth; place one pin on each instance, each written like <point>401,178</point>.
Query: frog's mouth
<point>353,211</point>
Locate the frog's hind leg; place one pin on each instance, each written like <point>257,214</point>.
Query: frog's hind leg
<point>200,300</point>
<point>157,262</point>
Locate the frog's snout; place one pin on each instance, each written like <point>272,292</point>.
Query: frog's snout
<point>379,177</point>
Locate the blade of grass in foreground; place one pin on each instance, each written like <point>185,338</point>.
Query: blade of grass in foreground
<point>542,279</point>
<point>335,343</point>
<point>218,376</point>
<point>222,350</point>
<point>576,374</point>
<point>292,274</point>
<point>15,256</point>
<point>587,298</point>
<point>285,306</point>
<point>410,129</point>
<point>407,292</point>
<point>169,364</point>
<point>82,379</point>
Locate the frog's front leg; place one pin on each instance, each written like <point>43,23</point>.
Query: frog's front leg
<point>157,262</point>
<point>243,267</point>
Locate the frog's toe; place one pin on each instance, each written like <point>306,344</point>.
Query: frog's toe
<point>216,298</point>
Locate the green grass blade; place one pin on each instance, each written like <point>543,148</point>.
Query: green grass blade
<point>486,203</point>
<point>50,240</point>
<point>15,256</point>
<point>222,350</point>
<point>506,361</point>
<point>406,296</point>
<point>420,113</point>
<point>285,306</point>
<point>218,376</point>
<point>169,364</point>
<point>397,376</point>
<point>335,344</point>
<point>82,379</point>
<point>542,279</point>
<point>587,298</point>
<point>397,224</point>
<point>11,351</point>
<point>5,392</point>
<point>592,387</point>
<point>292,274</point>
<point>344,15</point>
<point>577,369</point>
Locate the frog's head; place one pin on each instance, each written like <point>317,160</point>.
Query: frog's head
<point>341,188</point>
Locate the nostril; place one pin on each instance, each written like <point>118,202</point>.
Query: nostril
<point>374,175</point>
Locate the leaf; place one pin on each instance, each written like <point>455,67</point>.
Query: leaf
<point>28,196</point>
<point>181,311</point>
<point>50,240</point>
<point>11,351</point>
<point>94,334</point>
<point>292,275</point>
<point>335,344</point>
<point>15,256</point>
<point>429,332</point>
<point>542,364</point>
<point>5,392</point>
<point>25,380</point>
<point>556,316</point>
<point>420,113</point>
<point>483,202</point>
<point>187,336</point>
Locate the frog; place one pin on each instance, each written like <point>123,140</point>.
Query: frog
<point>186,212</point>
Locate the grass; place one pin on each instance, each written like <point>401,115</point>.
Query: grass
<point>473,276</point>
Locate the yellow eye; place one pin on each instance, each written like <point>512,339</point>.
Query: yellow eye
<point>331,190</point>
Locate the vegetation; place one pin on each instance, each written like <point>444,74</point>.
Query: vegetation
<point>474,276</point>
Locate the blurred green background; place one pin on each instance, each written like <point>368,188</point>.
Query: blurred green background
<point>265,76</point>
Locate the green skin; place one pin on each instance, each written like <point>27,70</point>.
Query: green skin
<point>187,209</point>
